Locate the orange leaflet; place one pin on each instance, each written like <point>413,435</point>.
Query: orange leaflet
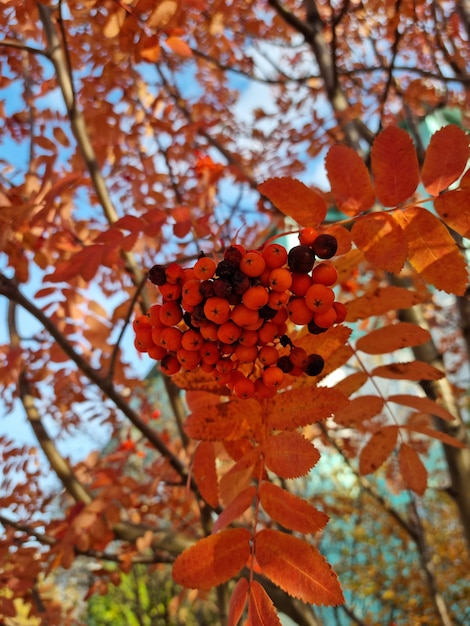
<point>238,477</point>
<point>213,560</point>
<point>432,251</point>
<point>436,434</point>
<point>412,370</point>
<point>392,337</point>
<point>351,383</point>
<point>359,410</point>
<point>298,568</point>
<point>381,300</point>
<point>425,405</point>
<point>293,198</point>
<point>445,159</point>
<point>453,208</point>
<point>381,240</point>
<point>394,166</point>
<point>291,511</point>
<point>237,602</point>
<point>205,474</point>
<point>261,611</point>
<point>288,410</point>
<point>236,508</point>
<point>226,420</point>
<point>377,449</point>
<point>412,469</point>
<point>349,179</point>
<point>179,47</point>
<point>290,455</point>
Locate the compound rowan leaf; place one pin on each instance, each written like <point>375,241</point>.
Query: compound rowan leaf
<point>286,412</point>
<point>392,337</point>
<point>205,474</point>
<point>411,370</point>
<point>432,250</point>
<point>359,410</point>
<point>291,511</point>
<point>236,508</point>
<point>377,450</point>
<point>381,300</point>
<point>237,602</point>
<point>213,560</point>
<point>381,240</point>
<point>454,208</point>
<point>412,469</point>
<point>293,198</point>
<point>261,611</point>
<point>289,454</point>
<point>394,166</point>
<point>425,405</point>
<point>297,567</point>
<point>349,179</point>
<point>445,159</point>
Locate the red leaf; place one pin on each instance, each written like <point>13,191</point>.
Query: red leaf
<point>394,166</point>
<point>290,455</point>
<point>453,208</point>
<point>432,250</point>
<point>377,450</point>
<point>205,474</point>
<point>293,198</point>
<point>261,611</point>
<point>236,508</point>
<point>445,159</point>
<point>349,179</point>
<point>381,240</point>
<point>392,337</point>
<point>131,223</point>
<point>213,560</point>
<point>413,370</point>
<point>291,511</point>
<point>297,567</point>
<point>412,469</point>
<point>238,477</point>
<point>237,602</point>
<point>179,47</point>
<point>425,405</point>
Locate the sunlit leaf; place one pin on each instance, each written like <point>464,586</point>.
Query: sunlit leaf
<point>377,450</point>
<point>445,159</point>
<point>289,454</point>
<point>287,411</point>
<point>381,300</point>
<point>394,166</point>
<point>454,208</point>
<point>425,405</point>
<point>359,410</point>
<point>236,508</point>
<point>413,370</point>
<point>349,179</point>
<point>213,560</point>
<point>437,434</point>
<point>204,472</point>
<point>293,198</point>
<point>392,337</point>
<point>261,611</point>
<point>298,568</point>
<point>381,240</point>
<point>412,469</point>
<point>237,602</point>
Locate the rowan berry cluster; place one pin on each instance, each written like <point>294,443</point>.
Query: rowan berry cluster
<point>230,317</point>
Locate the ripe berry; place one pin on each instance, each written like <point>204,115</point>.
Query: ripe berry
<point>252,264</point>
<point>301,259</point>
<point>174,273</point>
<point>314,365</point>
<point>314,329</point>
<point>325,246</point>
<point>273,376</point>
<point>319,298</point>
<point>298,311</point>
<point>284,364</point>
<point>206,288</point>
<point>307,236</point>
<point>268,355</point>
<point>244,388</point>
<point>298,357</point>
<point>170,365</point>
<point>255,297</point>
<point>217,310</point>
<point>326,319</point>
<point>170,313</point>
<point>325,274</point>
<point>341,312</point>
<point>156,275</point>
<point>274,255</point>
<point>204,268</point>
<point>280,279</point>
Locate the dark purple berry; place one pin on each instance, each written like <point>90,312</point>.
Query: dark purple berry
<point>233,255</point>
<point>314,329</point>
<point>266,312</point>
<point>301,259</point>
<point>285,341</point>
<point>285,364</point>
<point>240,282</point>
<point>325,246</point>
<point>226,269</point>
<point>207,288</point>
<point>314,365</point>
<point>156,275</point>
<point>222,287</point>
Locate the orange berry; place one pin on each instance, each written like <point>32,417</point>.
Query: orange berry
<point>170,338</point>
<point>307,236</point>
<point>157,333</point>
<point>273,376</point>
<point>223,378</point>
<point>298,311</point>
<point>280,317</point>
<point>206,367</point>
<point>252,264</point>
<point>154,315</point>
<point>191,340</point>
<point>280,279</point>
<point>191,293</point>
<point>255,297</point>
<point>217,310</point>
<point>275,255</point>
<point>256,325</point>
<point>157,352</point>
<point>170,313</point>
<point>325,319</point>
<point>143,339</point>
<point>209,331</point>
<point>209,353</point>
<point>227,348</point>
<point>244,388</point>
<point>170,365</point>
<point>224,365</point>
<point>319,298</point>
<point>204,268</point>
<point>248,338</point>
<point>246,354</point>
<point>188,359</point>
<point>341,312</point>
<point>142,320</point>
<point>243,316</point>
<point>278,299</point>
<point>268,332</point>
<point>174,273</point>
<point>268,355</point>
<point>300,283</point>
<point>228,332</point>
<point>298,357</point>
<point>188,274</point>
<point>170,291</point>
<point>325,274</point>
